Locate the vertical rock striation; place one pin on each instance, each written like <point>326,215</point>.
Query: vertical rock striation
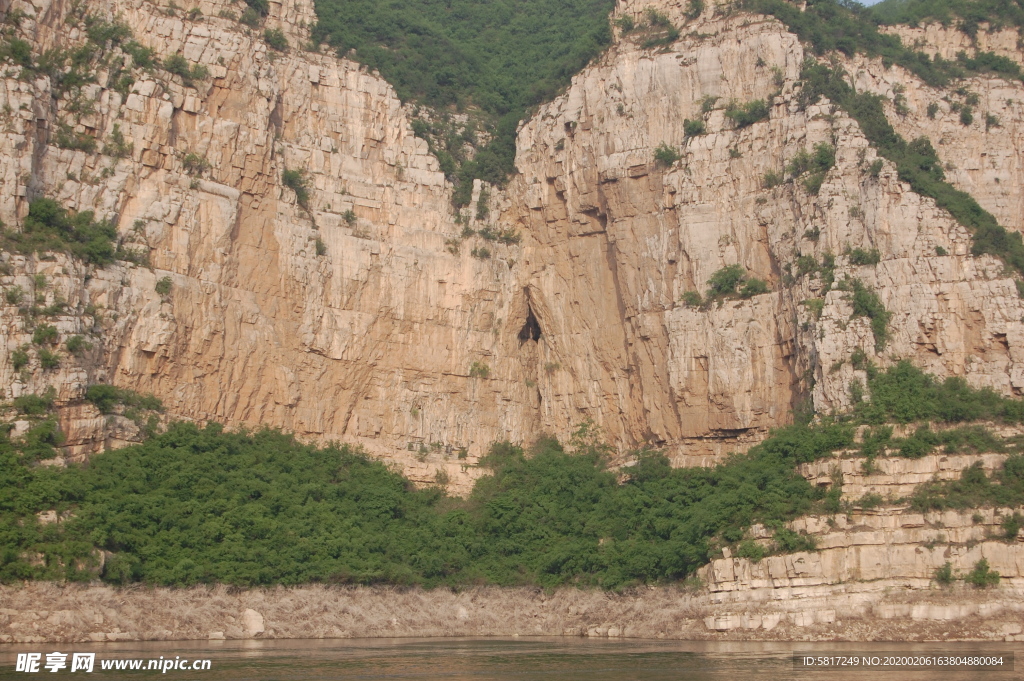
<point>364,316</point>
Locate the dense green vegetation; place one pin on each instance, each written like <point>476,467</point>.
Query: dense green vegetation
<point>965,14</point>
<point>200,505</point>
<point>492,60</point>
<point>50,227</point>
<point>974,488</point>
<point>848,27</point>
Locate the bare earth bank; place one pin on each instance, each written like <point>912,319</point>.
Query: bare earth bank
<point>882,610</point>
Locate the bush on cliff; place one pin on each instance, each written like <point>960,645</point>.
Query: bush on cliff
<point>50,227</point>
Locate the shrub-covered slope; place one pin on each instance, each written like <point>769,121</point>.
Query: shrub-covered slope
<point>201,505</point>
<point>492,58</point>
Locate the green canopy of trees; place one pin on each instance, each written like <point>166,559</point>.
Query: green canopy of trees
<point>497,58</point>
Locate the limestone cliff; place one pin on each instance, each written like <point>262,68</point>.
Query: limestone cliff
<point>364,316</point>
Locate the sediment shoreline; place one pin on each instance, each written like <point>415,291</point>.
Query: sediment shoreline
<point>885,610</point>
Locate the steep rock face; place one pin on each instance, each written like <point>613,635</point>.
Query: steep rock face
<point>890,543</point>
<point>975,126</point>
<point>380,327</point>
<point>626,238</point>
<point>371,342</point>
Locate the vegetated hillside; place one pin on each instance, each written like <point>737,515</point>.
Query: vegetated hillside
<point>494,58</point>
<point>967,14</point>
<point>829,27</point>
<point>201,505</point>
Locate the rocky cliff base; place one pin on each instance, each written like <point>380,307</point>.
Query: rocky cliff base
<point>876,611</point>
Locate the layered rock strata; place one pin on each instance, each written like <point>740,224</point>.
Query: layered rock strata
<point>363,316</point>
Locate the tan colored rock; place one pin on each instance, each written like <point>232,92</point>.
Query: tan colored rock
<point>252,622</point>
<point>374,342</point>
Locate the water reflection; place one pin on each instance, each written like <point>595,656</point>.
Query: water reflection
<point>524,659</point>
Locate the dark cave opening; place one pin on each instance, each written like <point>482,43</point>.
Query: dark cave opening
<point>531,328</point>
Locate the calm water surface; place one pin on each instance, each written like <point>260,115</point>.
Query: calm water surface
<point>524,659</point>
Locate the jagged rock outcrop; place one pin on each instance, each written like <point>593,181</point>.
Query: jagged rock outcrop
<point>379,327</point>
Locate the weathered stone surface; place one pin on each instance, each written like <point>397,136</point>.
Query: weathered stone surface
<point>374,341</point>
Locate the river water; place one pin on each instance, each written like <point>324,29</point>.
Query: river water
<point>523,659</point>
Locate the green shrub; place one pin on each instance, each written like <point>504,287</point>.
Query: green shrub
<point>814,165</point>
<point>194,164</point>
<point>692,299</point>
<point>981,576</point>
<point>45,334</point>
<point>33,405</point>
<point>815,305</point>
<point>933,109</point>
<point>788,541</point>
<point>479,370</point>
<point>177,65</point>
<point>859,257</point>
<point>274,37</point>
<point>866,303</point>
<point>104,397</point>
<point>118,147</point>
<point>944,574</point>
<point>49,227</point>
<point>482,207</point>
<point>658,30</point>
<point>692,129</point>
<point>869,501</point>
<point>76,345</point>
<point>666,156</point>
<point>121,568</point>
<point>14,295</point>
<point>751,550</point>
<point>66,137</point>
<point>1011,526</point>
<point>744,115</point>
<point>771,180</point>
<point>18,51</point>
<point>724,281</point>
<point>249,17</point>
<point>297,182</point>
<point>321,247</point>
<point>349,216</point>
<point>163,286</point>
<point>19,359</point>
<point>753,287</point>
<point>48,359</point>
